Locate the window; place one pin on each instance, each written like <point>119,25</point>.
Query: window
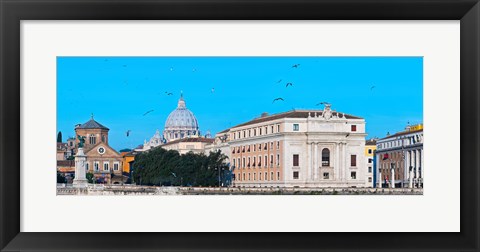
<point>278,128</point>
<point>271,176</point>
<point>249,133</point>
<point>369,169</point>
<point>259,161</point>
<point>103,139</point>
<point>105,166</point>
<point>272,129</point>
<point>369,179</point>
<point>115,166</point>
<point>254,161</point>
<point>295,159</point>
<point>248,165</point>
<point>266,128</point>
<point>243,163</point>
<point>353,175</point>
<point>86,166</point>
<point>266,176</point>
<point>260,133</point>
<point>326,175</point>
<point>296,127</point>
<point>354,127</point>
<point>233,162</point>
<point>244,133</point>
<point>353,160</point>
<point>255,176</point>
<point>369,151</point>
<point>254,132</point>
<point>278,159</point>
<point>369,160</point>
<point>254,147</point>
<point>266,161</point>
<point>265,146</point>
<point>244,176</point>
<point>295,175</point>
<point>259,176</point>
<point>278,145</point>
<point>271,160</point>
<point>325,157</point>
<point>271,145</point>
<point>239,134</point>
<point>238,162</point>
<point>278,175</point>
<point>93,139</point>
<point>95,165</point>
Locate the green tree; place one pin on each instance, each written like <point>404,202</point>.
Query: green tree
<point>59,137</point>
<point>60,178</point>
<point>89,177</point>
<point>162,167</point>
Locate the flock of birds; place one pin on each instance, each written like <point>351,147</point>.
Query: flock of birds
<point>288,84</point>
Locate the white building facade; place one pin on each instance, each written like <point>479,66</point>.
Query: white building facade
<point>400,159</point>
<point>299,148</point>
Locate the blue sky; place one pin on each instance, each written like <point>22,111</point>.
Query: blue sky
<point>119,90</point>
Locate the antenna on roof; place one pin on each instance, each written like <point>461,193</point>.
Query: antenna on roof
<point>92,116</point>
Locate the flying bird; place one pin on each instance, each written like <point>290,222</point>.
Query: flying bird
<point>175,175</point>
<point>289,84</point>
<point>148,112</point>
<point>279,81</point>
<point>213,90</point>
<point>295,66</point>
<point>278,99</point>
<point>322,103</point>
<point>128,133</point>
<point>372,88</point>
<point>171,68</point>
<point>167,93</point>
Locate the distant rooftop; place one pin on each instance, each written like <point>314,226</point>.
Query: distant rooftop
<point>92,124</point>
<point>292,114</point>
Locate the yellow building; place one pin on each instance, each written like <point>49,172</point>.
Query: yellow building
<point>370,147</point>
<point>128,159</point>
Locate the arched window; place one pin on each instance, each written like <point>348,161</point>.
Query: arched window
<point>92,139</point>
<point>103,139</point>
<point>325,157</point>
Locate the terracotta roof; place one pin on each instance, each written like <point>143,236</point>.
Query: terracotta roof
<point>224,131</point>
<point>192,140</point>
<point>92,124</point>
<point>402,133</point>
<point>292,114</point>
<point>70,163</point>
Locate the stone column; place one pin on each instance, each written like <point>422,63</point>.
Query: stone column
<point>422,173</point>
<point>315,162</point>
<point>392,184</point>
<point>344,161</point>
<point>410,178</point>
<point>415,165</point>
<point>310,162</point>
<point>337,162</point>
<point>80,179</point>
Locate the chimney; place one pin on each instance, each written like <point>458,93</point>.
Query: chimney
<point>264,114</point>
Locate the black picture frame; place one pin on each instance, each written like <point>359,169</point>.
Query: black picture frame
<point>13,11</point>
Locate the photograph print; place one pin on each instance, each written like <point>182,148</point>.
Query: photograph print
<point>239,125</point>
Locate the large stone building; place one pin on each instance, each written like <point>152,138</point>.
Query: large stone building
<point>304,148</point>
<point>400,158</point>
<point>105,163</point>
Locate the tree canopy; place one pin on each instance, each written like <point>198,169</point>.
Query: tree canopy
<point>161,167</point>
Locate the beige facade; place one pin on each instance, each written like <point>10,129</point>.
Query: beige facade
<point>304,148</point>
<point>185,145</point>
